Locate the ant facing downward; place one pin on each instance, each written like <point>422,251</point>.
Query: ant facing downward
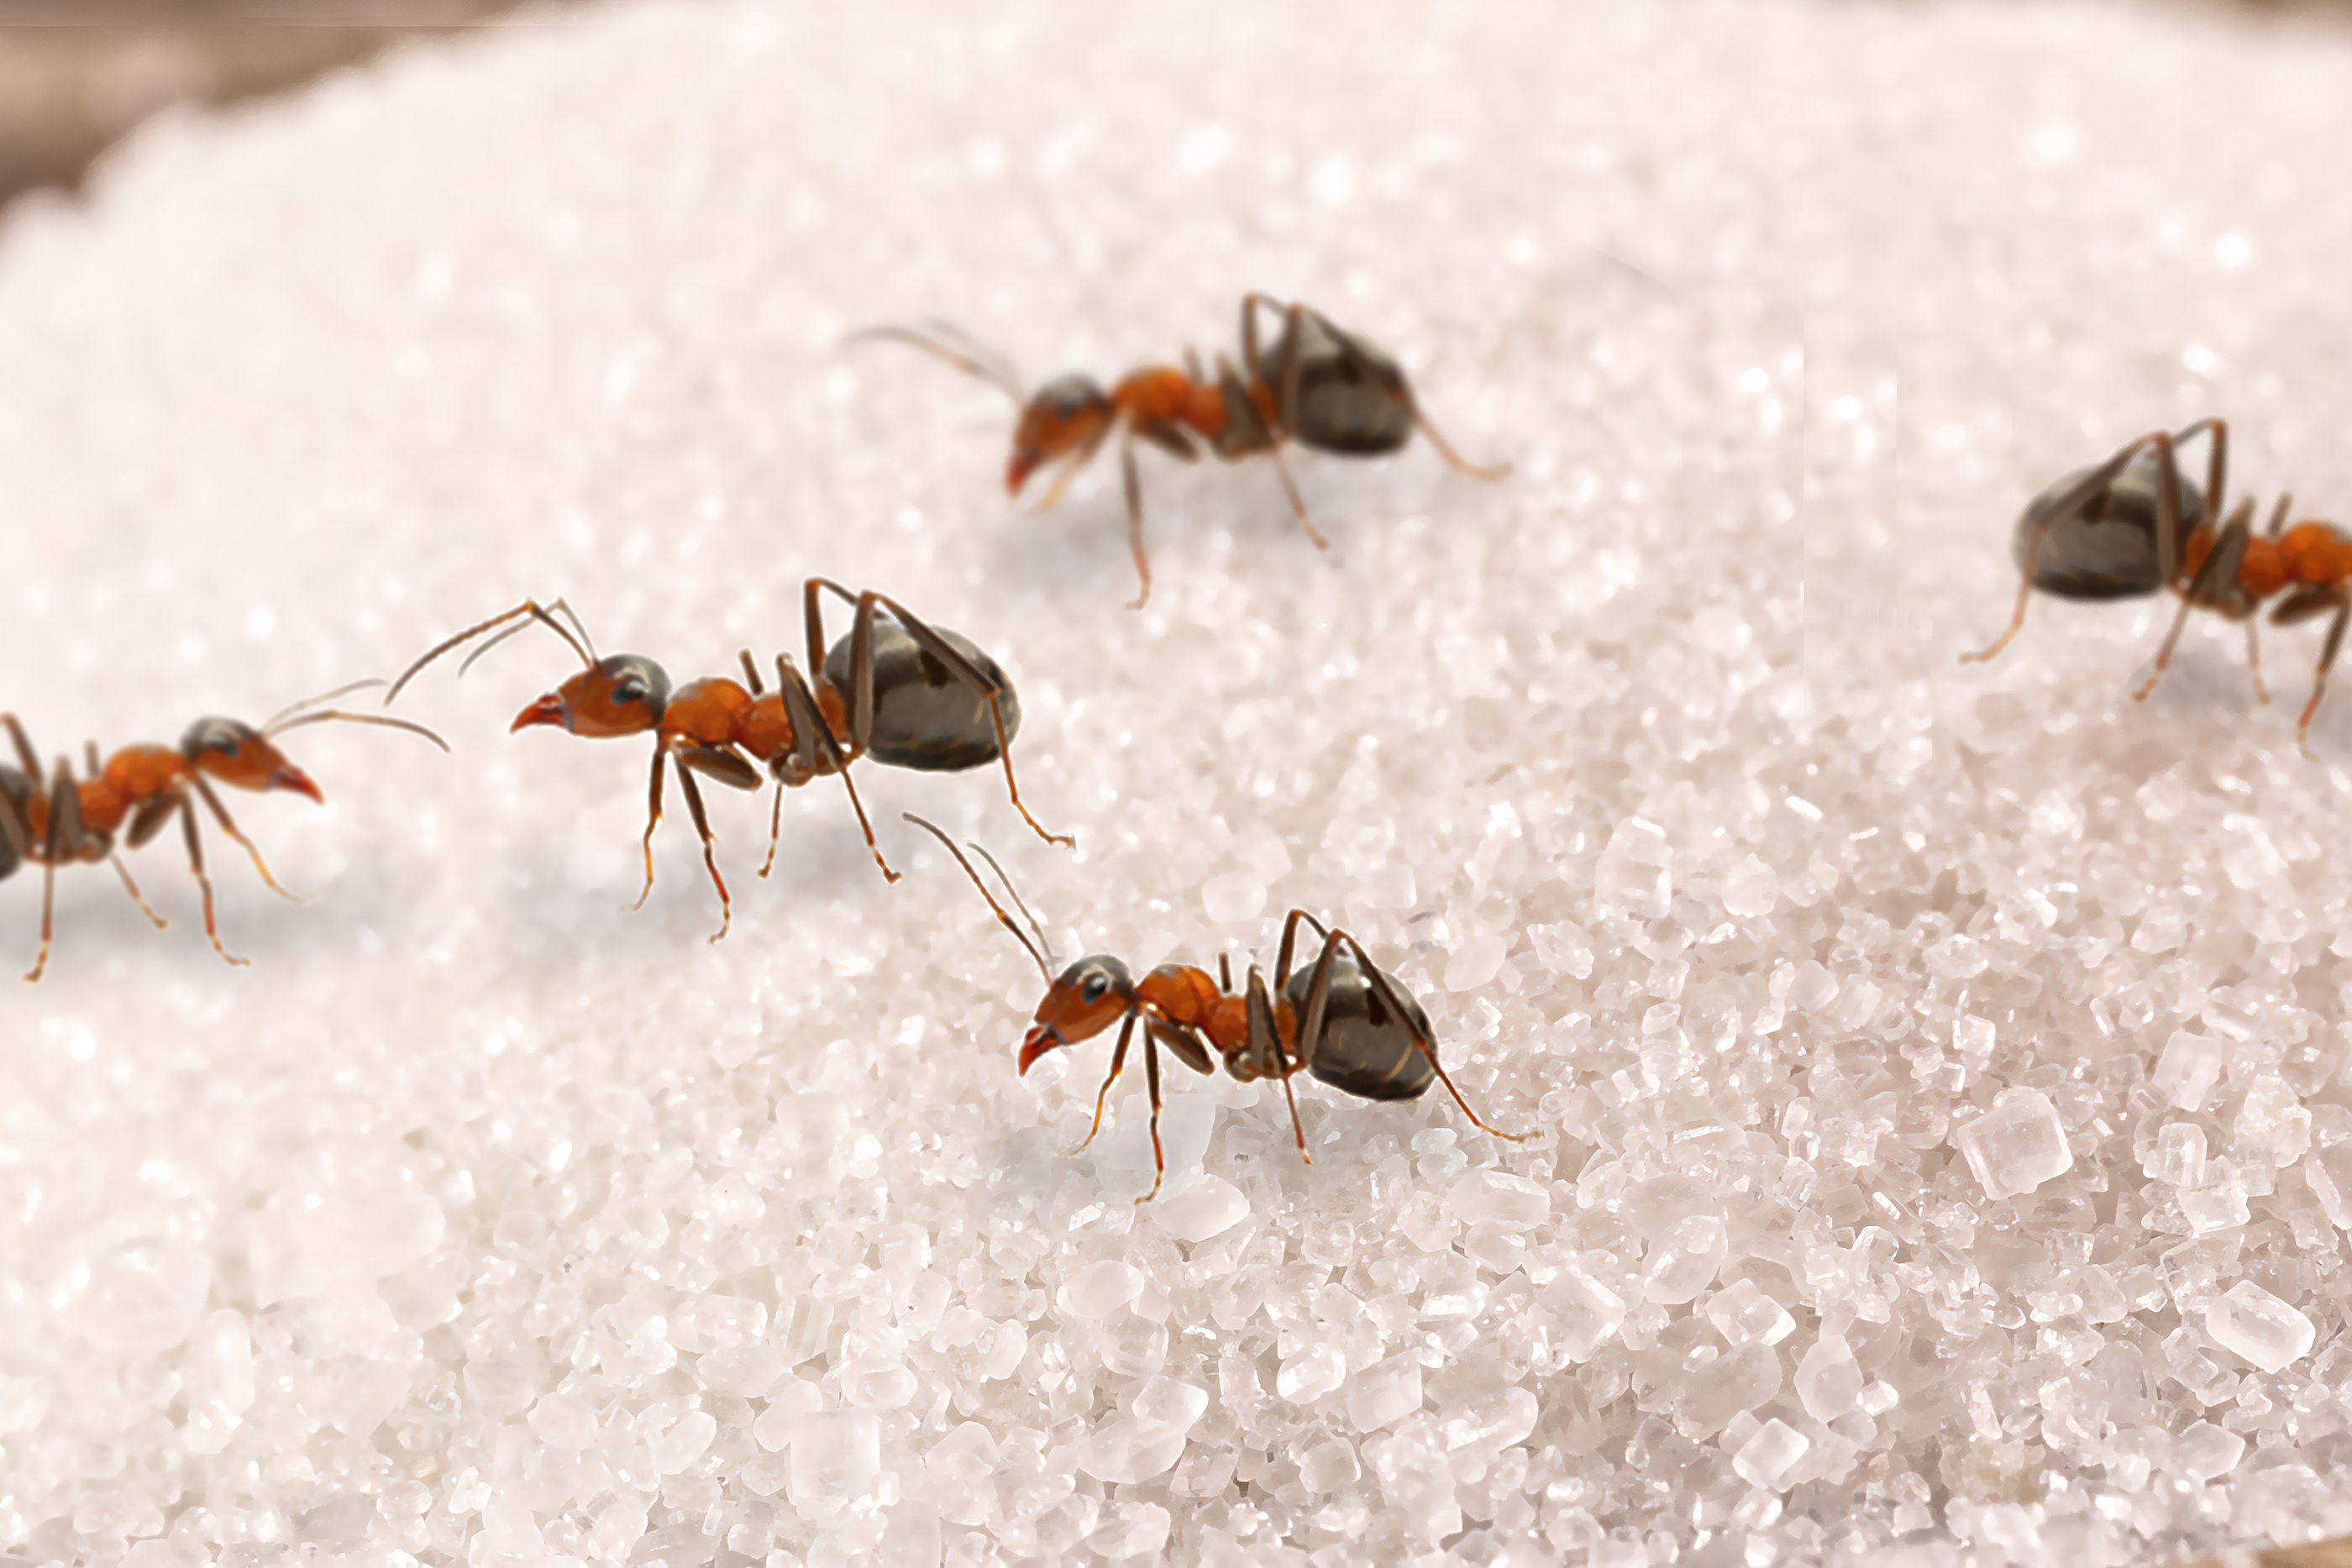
<point>1316,383</point>
<point>900,691</point>
<point>1355,1027</point>
<point>2132,526</point>
<point>140,788</point>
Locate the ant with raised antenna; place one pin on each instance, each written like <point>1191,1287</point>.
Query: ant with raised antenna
<point>138,790</point>
<point>1316,383</point>
<point>900,691</point>
<point>2132,526</point>
<point>1355,1027</point>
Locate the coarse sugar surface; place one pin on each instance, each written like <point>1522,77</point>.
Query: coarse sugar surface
<point>1941,1147</point>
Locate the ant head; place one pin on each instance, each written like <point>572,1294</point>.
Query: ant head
<point>236,754</point>
<point>1068,414</point>
<point>1091,995</point>
<point>623,695</point>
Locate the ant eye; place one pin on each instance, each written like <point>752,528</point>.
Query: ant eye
<point>631,690</point>
<point>1092,991</point>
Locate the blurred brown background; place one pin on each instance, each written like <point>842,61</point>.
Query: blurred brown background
<point>77,74</point>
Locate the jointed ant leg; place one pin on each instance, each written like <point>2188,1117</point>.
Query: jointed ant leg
<point>816,750</point>
<point>131,888</point>
<point>2220,569</point>
<point>1118,1065</point>
<point>1380,982</point>
<point>861,698</point>
<point>1454,459</point>
<point>197,869</point>
<point>693,792</point>
<point>2319,677</point>
<point>220,814</point>
<point>775,830</point>
<point>60,843</point>
<point>1133,484</point>
<point>27,759</point>
<point>2255,659</point>
<point>1159,1155</point>
<point>48,918</point>
<point>653,820</point>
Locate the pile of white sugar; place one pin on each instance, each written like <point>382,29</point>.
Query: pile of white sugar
<point>1943,1154</point>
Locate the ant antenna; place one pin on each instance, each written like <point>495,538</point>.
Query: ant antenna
<point>1003,919</point>
<point>1019,902</point>
<point>296,714</point>
<point>523,613</point>
<point>957,347</point>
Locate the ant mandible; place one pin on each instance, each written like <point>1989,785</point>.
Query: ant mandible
<point>138,790</point>
<point>1355,1028</point>
<point>1316,383</point>
<point>902,692</point>
<point>2132,526</point>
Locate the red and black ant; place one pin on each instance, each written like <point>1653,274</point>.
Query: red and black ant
<point>2131,526</point>
<point>1354,1026</point>
<point>1316,383</point>
<point>902,692</point>
<point>137,792</point>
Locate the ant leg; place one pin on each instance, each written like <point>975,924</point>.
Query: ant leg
<point>775,830</point>
<point>48,918</point>
<point>1388,993</point>
<point>1133,483</point>
<point>197,869</point>
<point>751,672</point>
<point>2319,676</point>
<point>962,668</point>
<point>2220,566</point>
<point>220,813</point>
<point>27,759</point>
<point>61,842</point>
<point>1118,1065</point>
<point>2255,659</point>
<point>693,792</point>
<point>2278,516</point>
<point>814,749</point>
<point>1264,1050</point>
<point>1159,1155</point>
<point>131,888</point>
<point>653,820</point>
<point>1460,464</point>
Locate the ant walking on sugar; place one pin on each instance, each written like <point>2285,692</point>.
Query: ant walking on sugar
<point>1316,383</point>
<point>1351,1024</point>
<point>899,691</point>
<point>139,790</point>
<point>2133,526</point>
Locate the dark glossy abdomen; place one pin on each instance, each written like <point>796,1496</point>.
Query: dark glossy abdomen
<point>2109,550</point>
<point>924,717</point>
<point>1366,1049</point>
<point>1352,400</point>
<point>12,785</point>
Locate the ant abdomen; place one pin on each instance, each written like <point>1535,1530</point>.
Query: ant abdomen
<point>1353,398</point>
<point>2109,548</point>
<point>1366,1050</point>
<point>924,716</point>
<point>16,793</point>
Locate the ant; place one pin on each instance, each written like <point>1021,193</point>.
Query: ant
<point>1354,1027</point>
<point>137,792</point>
<point>2133,526</point>
<point>902,692</point>
<point>1316,383</point>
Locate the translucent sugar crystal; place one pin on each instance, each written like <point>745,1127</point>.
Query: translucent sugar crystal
<point>1203,1208</point>
<point>1829,1379</point>
<point>1744,1314</point>
<point>1497,1199</point>
<point>2205,1452</point>
<point>1312,1373</point>
<point>143,1298</point>
<point>1151,1437</point>
<point>1632,876</point>
<point>836,1457</point>
<point>2256,1325</point>
<point>2179,1156</point>
<point>1683,1261</point>
<point>1328,1466</point>
<point>2329,1172</point>
<point>1100,1289</point>
<point>2187,1068</point>
<point>1584,1313</point>
<point>1749,889</point>
<point>1768,1457</point>
<point>1384,1393</point>
<point>2017,1145</point>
